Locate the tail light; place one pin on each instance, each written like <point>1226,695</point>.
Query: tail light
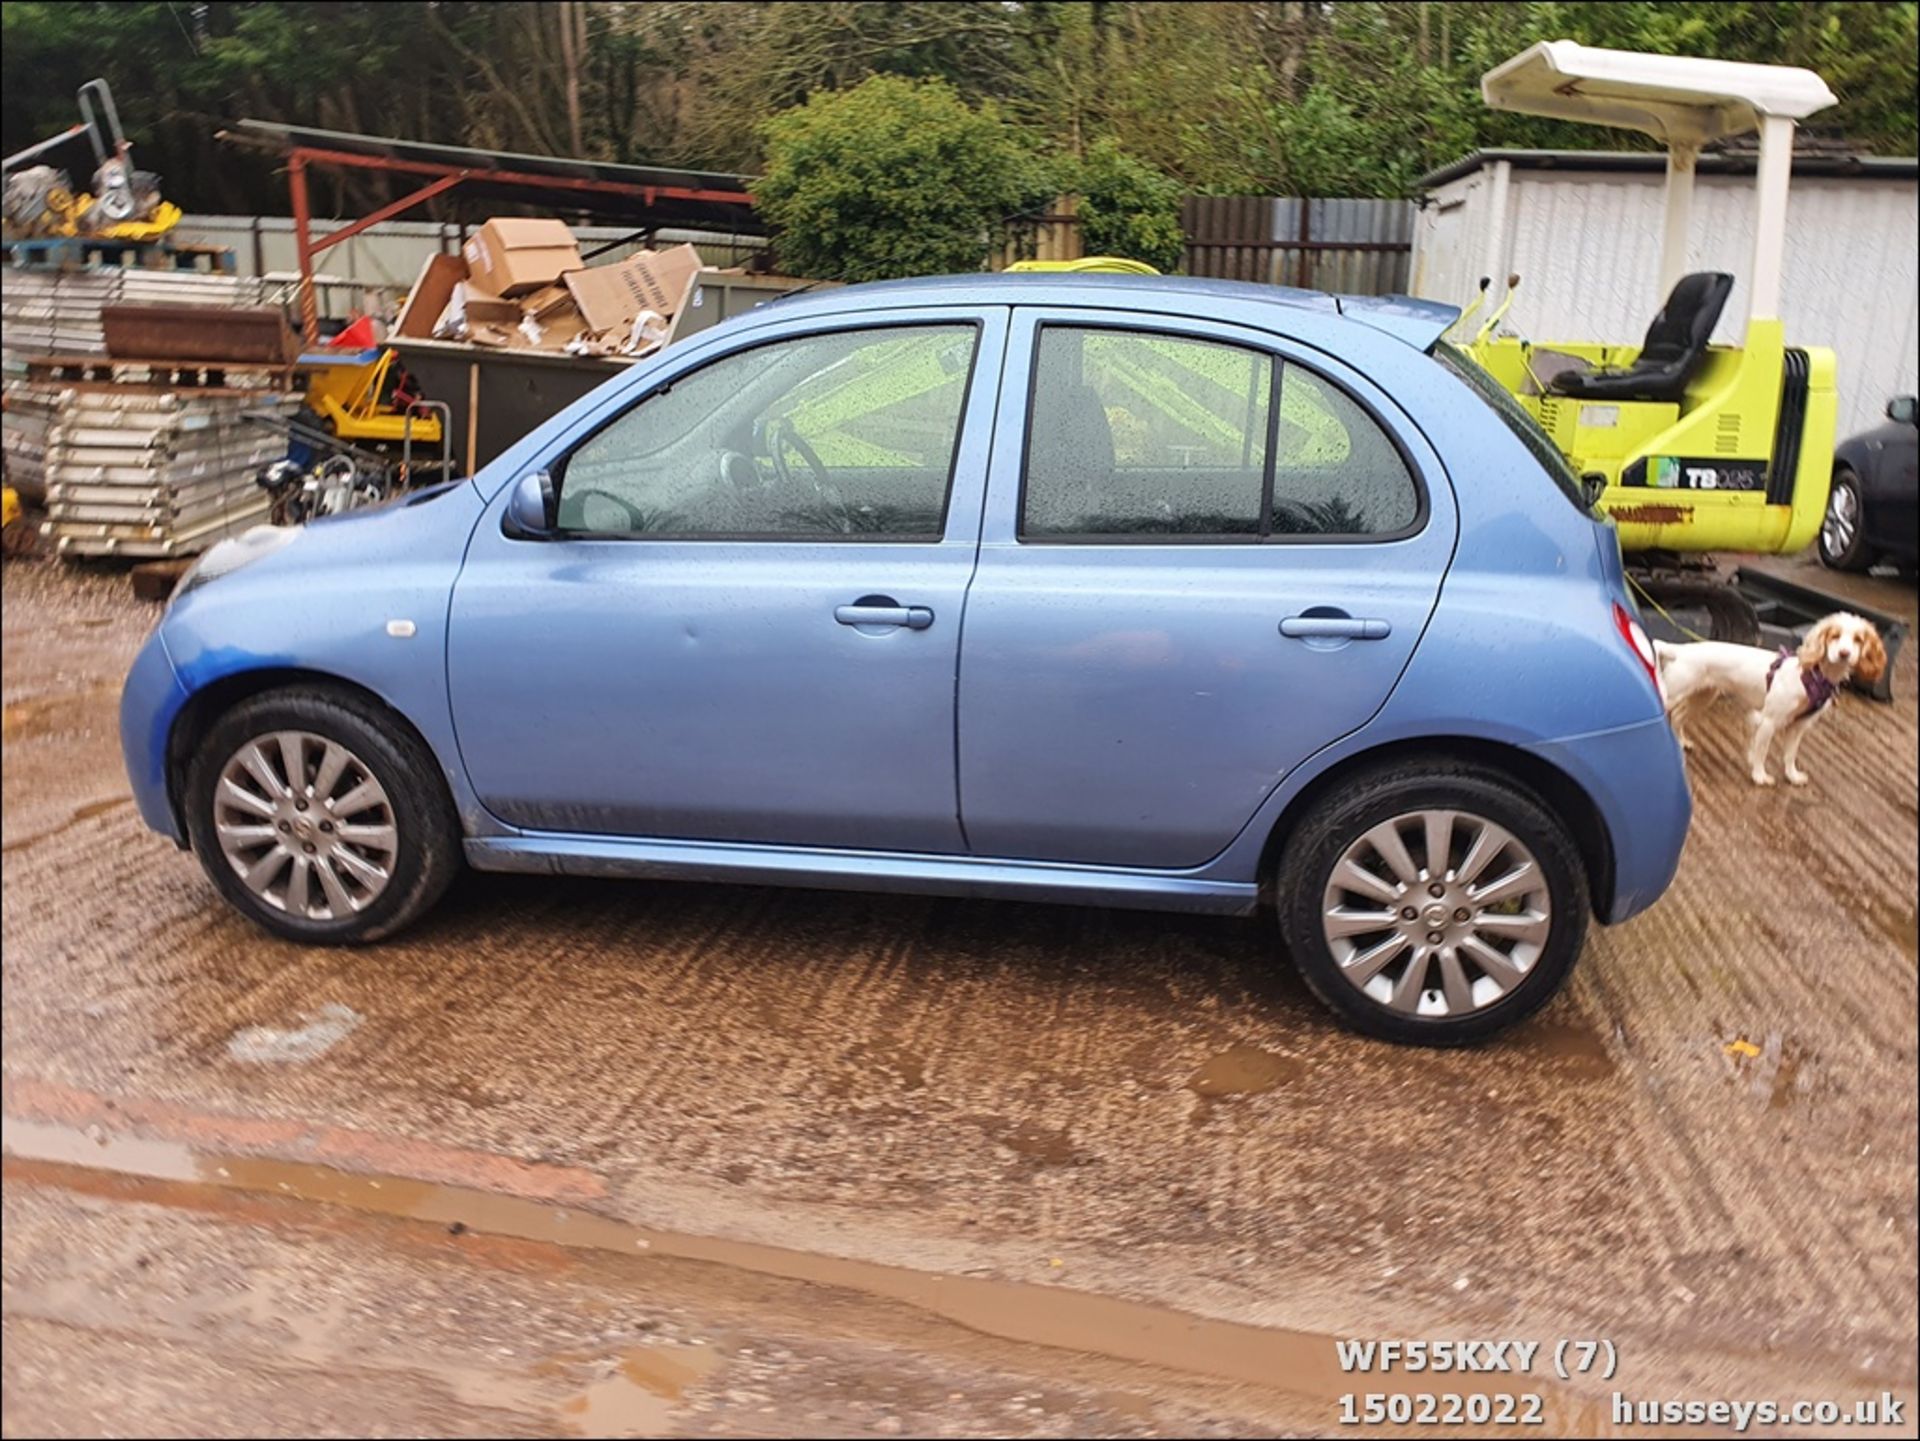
<point>1635,636</point>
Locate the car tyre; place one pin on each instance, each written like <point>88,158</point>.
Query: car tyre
<point>373,843</point>
<point>1454,1000</point>
<point>1843,529</point>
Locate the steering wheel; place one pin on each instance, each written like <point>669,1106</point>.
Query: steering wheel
<point>636,518</point>
<point>781,432</point>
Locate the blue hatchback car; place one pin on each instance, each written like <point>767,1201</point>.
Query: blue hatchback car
<point>1104,589</point>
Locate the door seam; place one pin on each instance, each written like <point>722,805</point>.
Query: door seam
<point>966,594</point>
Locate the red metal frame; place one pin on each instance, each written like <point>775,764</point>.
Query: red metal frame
<point>448,176</point>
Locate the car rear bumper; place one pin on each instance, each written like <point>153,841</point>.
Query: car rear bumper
<point>1638,782</point>
<point>149,703</point>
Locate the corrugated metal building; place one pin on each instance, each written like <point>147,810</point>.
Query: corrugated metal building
<point>1582,230</point>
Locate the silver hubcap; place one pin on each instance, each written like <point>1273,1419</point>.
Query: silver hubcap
<point>303,822</point>
<point>1437,913</point>
<point>1843,519</point>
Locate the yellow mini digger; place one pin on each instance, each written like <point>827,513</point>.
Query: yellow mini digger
<point>1688,445</point>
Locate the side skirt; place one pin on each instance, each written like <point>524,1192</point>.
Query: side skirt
<point>741,863</point>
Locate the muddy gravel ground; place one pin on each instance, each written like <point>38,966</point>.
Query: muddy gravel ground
<point>627,1158</point>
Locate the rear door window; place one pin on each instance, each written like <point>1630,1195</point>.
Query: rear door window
<point>1143,435</point>
<point>1139,435</point>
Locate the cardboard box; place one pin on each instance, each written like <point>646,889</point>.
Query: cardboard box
<point>546,301</point>
<point>611,296</point>
<point>469,309</point>
<point>484,309</point>
<point>510,257</point>
<point>427,301</point>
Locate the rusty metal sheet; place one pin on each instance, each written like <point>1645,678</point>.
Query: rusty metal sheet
<point>197,332</point>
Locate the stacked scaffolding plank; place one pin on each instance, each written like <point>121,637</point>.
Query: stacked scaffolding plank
<point>57,312</point>
<point>146,459</point>
<point>29,416</point>
<point>141,470</point>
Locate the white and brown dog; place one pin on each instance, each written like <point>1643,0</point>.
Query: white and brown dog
<point>1785,691</point>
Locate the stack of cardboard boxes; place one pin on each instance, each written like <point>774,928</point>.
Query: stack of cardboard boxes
<point>521,285</point>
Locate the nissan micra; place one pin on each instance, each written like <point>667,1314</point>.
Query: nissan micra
<point>1101,589</point>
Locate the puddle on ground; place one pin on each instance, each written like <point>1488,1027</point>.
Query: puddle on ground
<point>638,1397</point>
<point>1299,1363</point>
<point>1244,1070</point>
<point>79,814</point>
<point>1577,1048</point>
<point>25,719</point>
<point>1896,921</point>
<point>1786,1077</point>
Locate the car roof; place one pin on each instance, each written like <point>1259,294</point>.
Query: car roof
<point>1412,321</point>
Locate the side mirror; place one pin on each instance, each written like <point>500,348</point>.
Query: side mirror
<point>1902,409</point>
<point>531,507</point>
<point>1592,486</point>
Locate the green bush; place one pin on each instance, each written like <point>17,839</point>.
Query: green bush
<point>894,178</point>
<point>1128,209</point>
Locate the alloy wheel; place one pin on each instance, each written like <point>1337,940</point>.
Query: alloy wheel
<point>1437,913</point>
<point>305,825</point>
<point>1842,522</point>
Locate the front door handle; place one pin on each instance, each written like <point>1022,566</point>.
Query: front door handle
<point>865,613</point>
<point>1334,627</point>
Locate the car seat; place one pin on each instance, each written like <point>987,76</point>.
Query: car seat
<point>1676,344</point>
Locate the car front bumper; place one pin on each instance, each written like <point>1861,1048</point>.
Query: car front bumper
<point>150,702</point>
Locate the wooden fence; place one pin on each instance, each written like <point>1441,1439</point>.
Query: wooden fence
<point>1353,247</point>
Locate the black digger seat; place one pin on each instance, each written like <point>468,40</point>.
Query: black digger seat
<point>1676,344</point>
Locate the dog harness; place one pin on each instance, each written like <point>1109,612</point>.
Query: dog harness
<point>1819,689</point>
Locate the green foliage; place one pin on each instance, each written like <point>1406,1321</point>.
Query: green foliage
<point>1128,208</point>
<point>1355,97</point>
<point>892,178</point>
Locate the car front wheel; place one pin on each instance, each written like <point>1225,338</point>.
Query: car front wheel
<point>1843,531</point>
<point>1432,903</point>
<point>321,817</point>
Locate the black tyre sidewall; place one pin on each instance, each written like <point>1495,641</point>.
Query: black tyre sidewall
<point>1317,843</point>
<point>1855,557</point>
<point>429,842</point>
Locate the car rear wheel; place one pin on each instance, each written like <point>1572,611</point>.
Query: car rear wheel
<point>1843,532</point>
<point>1432,903</point>
<point>320,817</point>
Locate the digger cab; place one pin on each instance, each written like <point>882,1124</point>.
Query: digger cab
<point>1689,445</point>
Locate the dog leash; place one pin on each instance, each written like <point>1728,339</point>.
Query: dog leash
<point>1641,591</point>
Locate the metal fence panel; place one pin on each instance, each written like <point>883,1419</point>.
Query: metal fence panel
<point>1355,247</point>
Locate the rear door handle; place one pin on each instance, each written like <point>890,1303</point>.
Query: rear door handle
<point>911,617</point>
<point>1334,627</point>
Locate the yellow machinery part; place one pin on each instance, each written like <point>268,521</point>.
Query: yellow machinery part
<point>346,393</point>
<point>1728,417</point>
<point>9,506</point>
<point>166,215</point>
<point>66,213</point>
<point>1101,264</point>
